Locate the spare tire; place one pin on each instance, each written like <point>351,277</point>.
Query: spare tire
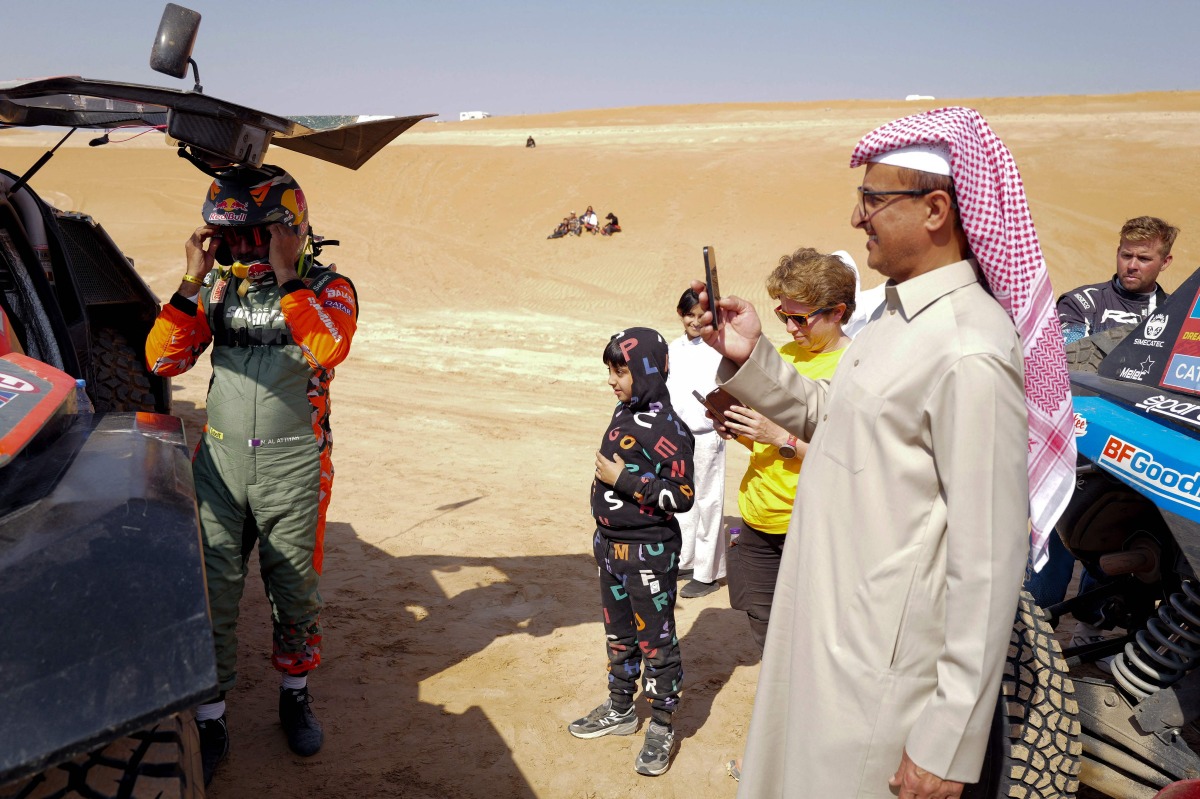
<point>119,380</point>
<point>1086,354</point>
<point>1034,750</point>
<point>160,762</point>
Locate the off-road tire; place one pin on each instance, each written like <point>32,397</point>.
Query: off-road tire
<point>161,762</point>
<point>1086,354</point>
<point>1034,751</point>
<point>119,381</point>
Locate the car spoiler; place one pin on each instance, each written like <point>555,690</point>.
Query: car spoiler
<point>75,102</point>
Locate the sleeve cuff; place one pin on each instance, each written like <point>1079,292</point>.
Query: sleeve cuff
<point>627,483</point>
<point>292,286</point>
<point>184,304</point>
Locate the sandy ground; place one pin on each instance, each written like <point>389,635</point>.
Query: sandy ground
<point>462,627</point>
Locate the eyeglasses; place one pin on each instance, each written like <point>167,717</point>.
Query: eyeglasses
<point>867,197</point>
<point>248,235</point>
<point>800,319</point>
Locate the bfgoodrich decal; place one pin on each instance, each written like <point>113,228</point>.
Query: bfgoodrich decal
<point>1141,467</point>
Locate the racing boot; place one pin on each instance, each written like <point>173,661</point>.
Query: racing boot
<point>214,745</point>
<point>304,733</point>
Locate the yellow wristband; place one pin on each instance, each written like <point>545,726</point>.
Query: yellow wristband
<point>199,281</point>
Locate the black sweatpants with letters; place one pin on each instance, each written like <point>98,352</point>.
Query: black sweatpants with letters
<point>637,593</point>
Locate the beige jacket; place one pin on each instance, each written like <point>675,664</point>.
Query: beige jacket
<point>906,549</point>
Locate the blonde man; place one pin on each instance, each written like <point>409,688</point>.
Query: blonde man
<point>1133,292</point>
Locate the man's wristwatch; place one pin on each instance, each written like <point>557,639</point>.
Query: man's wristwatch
<point>788,449</point>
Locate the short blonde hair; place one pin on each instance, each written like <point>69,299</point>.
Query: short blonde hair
<point>1149,228</point>
<point>813,278</point>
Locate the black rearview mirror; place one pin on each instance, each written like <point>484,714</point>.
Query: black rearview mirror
<point>172,50</point>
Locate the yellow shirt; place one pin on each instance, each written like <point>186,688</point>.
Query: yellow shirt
<point>769,486</point>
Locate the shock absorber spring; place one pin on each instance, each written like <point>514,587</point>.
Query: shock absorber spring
<point>1167,649</point>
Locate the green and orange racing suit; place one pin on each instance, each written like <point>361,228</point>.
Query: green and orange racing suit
<point>263,467</point>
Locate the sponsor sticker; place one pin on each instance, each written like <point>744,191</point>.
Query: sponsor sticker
<point>1183,372</point>
<point>15,384</point>
<point>1138,374</point>
<point>5,396</point>
<point>1142,467</point>
<point>1080,425</point>
<point>1172,408</point>
<point>1155,326</point>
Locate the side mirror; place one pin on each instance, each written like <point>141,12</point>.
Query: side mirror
<point>172,51</point>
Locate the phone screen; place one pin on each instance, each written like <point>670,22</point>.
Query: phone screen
<point>710,283</point>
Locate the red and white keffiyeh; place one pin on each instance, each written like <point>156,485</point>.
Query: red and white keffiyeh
<point>995,217</point>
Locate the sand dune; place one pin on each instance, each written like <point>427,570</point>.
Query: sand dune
<point>462,627</point>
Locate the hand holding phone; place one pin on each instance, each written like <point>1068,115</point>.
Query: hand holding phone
<point>710,284</point>
<point>717,402</point>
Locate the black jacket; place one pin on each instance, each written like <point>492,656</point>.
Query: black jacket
<point>1091,309</point>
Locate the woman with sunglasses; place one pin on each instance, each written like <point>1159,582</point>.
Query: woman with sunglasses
<point>815,293</point>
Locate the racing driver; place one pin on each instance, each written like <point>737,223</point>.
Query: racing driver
<point>278,323</point>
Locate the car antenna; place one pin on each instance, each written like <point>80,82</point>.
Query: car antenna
<point>41,162</point>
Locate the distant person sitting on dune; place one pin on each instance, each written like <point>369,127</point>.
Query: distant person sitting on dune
<point>575,224</point>
<point>590,223</point>
<point>563,227</point>
<point>613,225</point>
<point>530,142</point>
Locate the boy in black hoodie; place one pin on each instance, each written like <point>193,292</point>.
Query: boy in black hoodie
<point>643,478</point>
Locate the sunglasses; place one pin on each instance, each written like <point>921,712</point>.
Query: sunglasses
<point>800,319</point>
<point>250,235</point>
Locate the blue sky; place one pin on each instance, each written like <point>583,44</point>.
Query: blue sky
<point>446,56</point>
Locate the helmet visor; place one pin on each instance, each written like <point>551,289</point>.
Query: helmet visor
<point>246,235</point>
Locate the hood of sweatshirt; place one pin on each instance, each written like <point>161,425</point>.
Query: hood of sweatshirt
<point>645,352</point>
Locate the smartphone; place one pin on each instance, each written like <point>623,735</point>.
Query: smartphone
<point>717,402</point>
<point>710,284</point>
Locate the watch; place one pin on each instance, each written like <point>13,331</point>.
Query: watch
<point>788,449</point>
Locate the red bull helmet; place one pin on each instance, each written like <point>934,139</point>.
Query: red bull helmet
<point>250,197</point>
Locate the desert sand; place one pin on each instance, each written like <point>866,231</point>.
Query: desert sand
<point>462,626</point>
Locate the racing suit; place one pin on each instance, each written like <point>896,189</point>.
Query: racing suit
<point>263,468</point>
<point>1091,309</point>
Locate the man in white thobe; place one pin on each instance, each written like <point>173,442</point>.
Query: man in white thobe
<point>900,580</point>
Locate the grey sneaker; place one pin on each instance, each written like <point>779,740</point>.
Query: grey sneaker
<point>605,721</point>
<point>655,757</point>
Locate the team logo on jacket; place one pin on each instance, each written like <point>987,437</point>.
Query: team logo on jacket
<point>1141,467</point>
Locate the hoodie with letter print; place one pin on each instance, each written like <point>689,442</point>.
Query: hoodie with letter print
<point>655,445</point>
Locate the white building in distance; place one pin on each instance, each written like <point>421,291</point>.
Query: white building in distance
<point>463,116</point>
